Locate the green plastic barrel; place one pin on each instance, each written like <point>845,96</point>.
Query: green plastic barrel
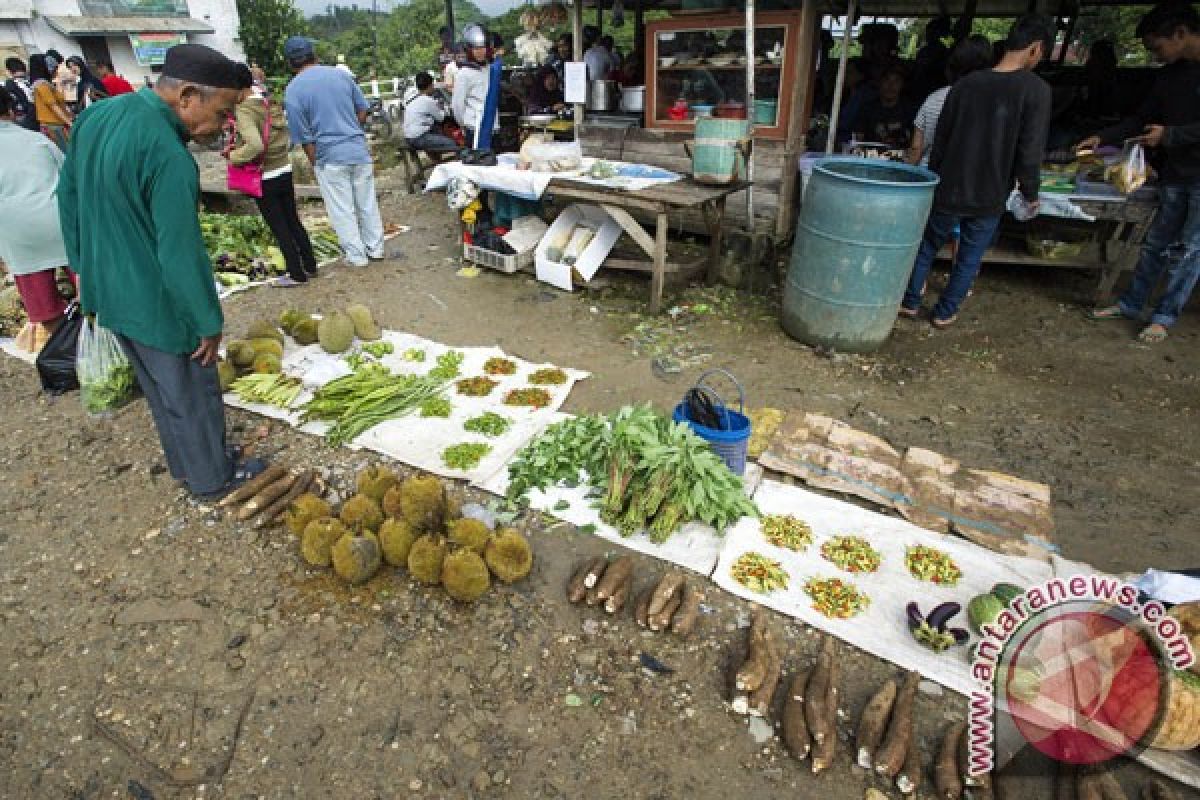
<point>860,226</point>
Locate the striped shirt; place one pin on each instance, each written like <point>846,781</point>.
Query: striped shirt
<point>927,120</point>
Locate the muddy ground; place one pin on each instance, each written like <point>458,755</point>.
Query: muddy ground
<point>140,631</point>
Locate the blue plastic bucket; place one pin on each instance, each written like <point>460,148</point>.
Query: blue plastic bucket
<point>732,440</point>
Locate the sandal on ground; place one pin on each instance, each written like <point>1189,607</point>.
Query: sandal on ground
<point>243,471</point>
<point>908,313</point>
<point>1153,334</point>
<point>1106,312</point>
<point>945,322</point>
<point>287,282</point>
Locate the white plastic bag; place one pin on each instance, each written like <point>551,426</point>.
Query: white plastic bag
<point>1129,174</point>
<point>106,378</point>
<point>550,156</point>
<point>1019,207</point>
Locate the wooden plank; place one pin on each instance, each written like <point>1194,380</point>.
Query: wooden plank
<point>632,227</point>
<point>802,99</point>
<point>660,263</point>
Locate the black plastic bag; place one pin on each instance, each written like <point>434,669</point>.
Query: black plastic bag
<point>56,361</point>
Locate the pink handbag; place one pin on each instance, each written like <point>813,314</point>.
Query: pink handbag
<point>247,178</point>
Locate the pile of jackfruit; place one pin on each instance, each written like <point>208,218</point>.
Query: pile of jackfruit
<point>260,351</point>
<point>412,524</point>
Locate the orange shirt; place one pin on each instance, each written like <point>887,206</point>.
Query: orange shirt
<point>45,95</point>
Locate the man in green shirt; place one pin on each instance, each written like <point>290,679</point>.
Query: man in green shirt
<point>127,198</point>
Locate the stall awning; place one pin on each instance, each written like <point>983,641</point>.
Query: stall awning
<point>105,26</point>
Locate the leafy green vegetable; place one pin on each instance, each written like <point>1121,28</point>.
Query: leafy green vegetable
<point>489,424</point>
<point>436,407</point>
<point>367,397</point>
<point>447,366</point>
<point>109,392</point>
<point>378,349</point>
<point>466,455</point>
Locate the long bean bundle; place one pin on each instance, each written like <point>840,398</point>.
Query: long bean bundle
<point>371,395</point>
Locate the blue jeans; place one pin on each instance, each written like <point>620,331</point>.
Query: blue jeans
<point>349,194</point>
<point>1172,245</point>
<point>976,234</point>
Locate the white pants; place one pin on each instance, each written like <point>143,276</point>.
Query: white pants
<point>349,194</point>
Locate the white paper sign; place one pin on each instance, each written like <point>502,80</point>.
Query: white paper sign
<point>575,78</point>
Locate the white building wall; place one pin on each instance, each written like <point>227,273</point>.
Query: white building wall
<point>222,15</point>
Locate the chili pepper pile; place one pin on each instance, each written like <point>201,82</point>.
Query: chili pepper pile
<point>836,598</point>
<point>551,376</point>
<point>759,573</point>
<point>930,564</point>
<point>499,366</point>
<point>537,398</point>
<point>476,387</point>
<point>851,553</point>
<point>784,530</point>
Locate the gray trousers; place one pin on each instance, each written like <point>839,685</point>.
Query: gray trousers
<point>185,401</point>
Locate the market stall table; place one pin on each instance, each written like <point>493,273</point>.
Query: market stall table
<point>660,200</point>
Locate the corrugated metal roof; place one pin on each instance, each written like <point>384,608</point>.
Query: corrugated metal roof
<point>16,9</point>
<point>100,26</point>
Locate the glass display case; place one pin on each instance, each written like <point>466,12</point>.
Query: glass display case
<point>696,66</point>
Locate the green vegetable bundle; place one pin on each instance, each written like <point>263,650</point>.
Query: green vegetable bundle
<point>243,244</point>
<point>655,474</point>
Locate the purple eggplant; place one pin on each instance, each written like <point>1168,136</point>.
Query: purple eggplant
<point>938,618</point>
<point>931,629</point>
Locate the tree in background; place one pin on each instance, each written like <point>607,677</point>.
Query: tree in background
<point>264,26</point>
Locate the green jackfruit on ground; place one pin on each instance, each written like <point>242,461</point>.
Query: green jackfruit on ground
<point>396,538</point>
<point>465,576</point>
<point>266,363</point>
<point>226,374</point>
<point>320,536</point>
<point>361,513</point>
<point>421,500</point>
<point>303,510</point>
<point>425,559</point>
<point>509,556</point>
<point>469,533</point>
<point>263,346</point>
<point>305,331</point>
<point>335,332</point>
<point>364,324</point>
<point>289,318</point>
<point>264,329</point>
<point>356,557</point>
<point>240,352</point>
<point>374,482</point>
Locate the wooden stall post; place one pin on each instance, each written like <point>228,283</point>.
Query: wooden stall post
<point>750,68</point>
<point>802,98</point>
<point>577,52</point>
<point>839,84</point>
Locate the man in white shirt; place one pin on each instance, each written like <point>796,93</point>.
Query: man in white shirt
<point>420,115</point>
<point>596,56</point>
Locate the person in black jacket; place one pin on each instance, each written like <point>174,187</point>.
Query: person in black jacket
<point>1169,127</point>
<point>990,135</point>
<point>22,92</point>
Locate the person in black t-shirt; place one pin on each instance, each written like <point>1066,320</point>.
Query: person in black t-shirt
<point>1169,127</point>
<point>990,135</point>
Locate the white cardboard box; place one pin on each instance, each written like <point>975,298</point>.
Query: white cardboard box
<point>608,231</point>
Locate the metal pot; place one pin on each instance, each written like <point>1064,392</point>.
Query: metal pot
<point>633,98</point>
<point>603,96</point>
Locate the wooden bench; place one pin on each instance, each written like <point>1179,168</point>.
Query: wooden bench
<point>415,168</point>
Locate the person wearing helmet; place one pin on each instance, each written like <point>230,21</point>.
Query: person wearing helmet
<point>471,83</point>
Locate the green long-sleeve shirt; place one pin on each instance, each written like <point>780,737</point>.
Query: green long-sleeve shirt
<point>127,199</point>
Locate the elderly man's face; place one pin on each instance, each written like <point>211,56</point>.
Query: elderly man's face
<point>202,113</point>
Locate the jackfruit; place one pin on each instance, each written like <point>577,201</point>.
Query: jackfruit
<point>421,501</point>
<point>396,539</point>
<point>465,576</point>
<point>469,533</point>
<point>240,352</point>
<point>226,374</point>
<point>374,482</point>
<point>356,557</point>
<point>425,559</point>
<point>303,510</point>
<point>361,513</point>
<point>267,363</point>
<point>305,331</point>
<point>320,536</point>
<point>364,324</point>
<point>509,556</point>
<point>289,318</point>
<point>335,332</point>
<point>264,329</point>
<point>265,346</point>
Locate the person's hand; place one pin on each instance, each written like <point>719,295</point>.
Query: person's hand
<point>1033,206</point>
<point>1152,136</point>
<point>208,351</point>
<point>1090,143</point>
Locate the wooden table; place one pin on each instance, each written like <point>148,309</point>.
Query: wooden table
<point>659,200</point>
<point>1126,223</point>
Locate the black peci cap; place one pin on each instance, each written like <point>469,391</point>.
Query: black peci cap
<point>203,65</point>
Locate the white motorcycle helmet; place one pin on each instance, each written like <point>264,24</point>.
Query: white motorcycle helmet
<point>474,35</point>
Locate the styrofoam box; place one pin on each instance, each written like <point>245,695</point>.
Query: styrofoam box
<point>608,231</point>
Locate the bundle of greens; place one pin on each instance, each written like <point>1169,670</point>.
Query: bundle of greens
<point>655,474</point>
<point>273,389</point>
<point>242,244</point>
<point>371,395</point>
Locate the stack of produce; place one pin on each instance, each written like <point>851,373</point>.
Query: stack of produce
<point>272,493</point>
<point>810,710</point>
<point>669,604</point>
<point>260,353</point>
<point>242,247</point>
<point>757,677</point>
<point>410,524</point>
<point>656,474</point>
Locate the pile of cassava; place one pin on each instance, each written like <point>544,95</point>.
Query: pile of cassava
<point>666,604</point>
